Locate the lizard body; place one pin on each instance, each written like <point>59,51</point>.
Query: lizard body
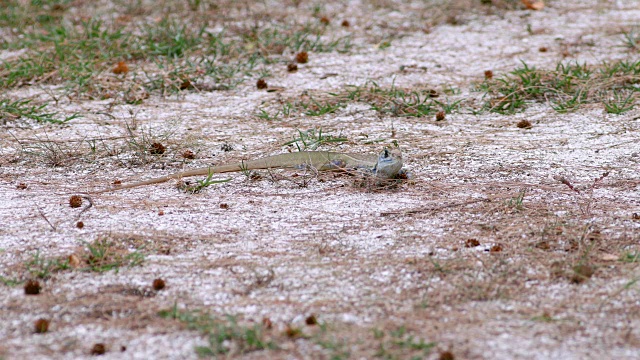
<point>386,165</point>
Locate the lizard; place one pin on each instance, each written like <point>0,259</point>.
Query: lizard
<point>384,166</point>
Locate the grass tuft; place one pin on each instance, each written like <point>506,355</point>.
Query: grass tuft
<point>99,256</point>
<point>312,139</point>
<point>226,336</point>
<point>13,110</point>
<point>566,88</point>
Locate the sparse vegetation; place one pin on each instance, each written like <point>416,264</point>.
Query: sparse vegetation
<point>42,268</point>
<point>620,103</point>
<point>391,101</point>
<point>336,346</point>
<point>480,243</point>
<point>516,202</point>
<point>145,146</point>
<point>203,184</point>
<point>226,336</point>
<point>104,255</point>
<point>10,281</point>
<point>631,39</point>
<point>398,102</point>
<point>312,139</point>
<point>401,344</point>
<point>167,56</point>
<point>99,256</point>
<point>631,257</point>
<point>566,88</point>
<point>13,110</point>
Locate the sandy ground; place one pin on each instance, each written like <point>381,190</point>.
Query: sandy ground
<point>362,261</point>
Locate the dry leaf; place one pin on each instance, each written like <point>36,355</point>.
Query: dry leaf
<point>609,257</point>
<point>533,4</point>
<point>74,260</point>
<point>121,68</point>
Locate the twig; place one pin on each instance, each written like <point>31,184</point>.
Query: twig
<point>566,181</point>
<point>88,198</point>
<point>431,208</point>
<point>604,175</point>
<point>31,140</point>
<point>45,218</point>
<point>615,294</point>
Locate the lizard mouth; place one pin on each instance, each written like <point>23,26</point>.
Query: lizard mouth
<point>385,156</point>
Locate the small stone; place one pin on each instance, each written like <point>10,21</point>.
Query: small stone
<point>261,84</point>
<point>188,154</point>
<point>582,273</point>
<point>121,68</point>
<point>302,57</point>
<point>446,355</point>
<point>41,326</point>
<point>311,320</point>
<point>158,284</point>
<point>98,349</point>
<point>32,287</point>
<point>471,243</point>
<point>157,149</point>
<point>75,201</point>
<point>74,260</point>
<point>524,124</point>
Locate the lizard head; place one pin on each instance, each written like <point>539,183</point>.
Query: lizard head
<point>389,163</point>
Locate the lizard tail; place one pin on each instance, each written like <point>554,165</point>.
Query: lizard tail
<point>194,172</point>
